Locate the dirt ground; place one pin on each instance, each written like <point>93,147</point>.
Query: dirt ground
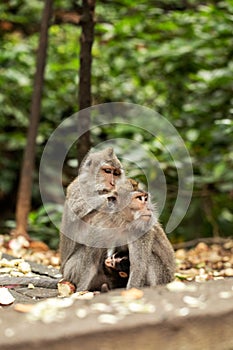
<point>195,312</point>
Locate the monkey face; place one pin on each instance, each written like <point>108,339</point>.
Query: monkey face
<point>99,172</point>
<point>140,207</point>
<point>118,264</point>
<point>110,175</point>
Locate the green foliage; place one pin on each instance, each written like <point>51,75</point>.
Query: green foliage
<point>41,227</point>
<point>175,57</point>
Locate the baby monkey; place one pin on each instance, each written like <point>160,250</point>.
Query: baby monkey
<point>119,262</point>
<point>113,272</point>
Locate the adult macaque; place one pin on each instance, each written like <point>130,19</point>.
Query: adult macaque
<point>156,256</point>
<point>80,258</point>
<point>151,255</point>
<point>132,225</point>
<point>100,215</point>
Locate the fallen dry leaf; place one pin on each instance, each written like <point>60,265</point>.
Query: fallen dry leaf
<point>205,262</point>
<point>132,293</point>
<point>38,246</point>
<point>35,251</point>
<point>23,307</point>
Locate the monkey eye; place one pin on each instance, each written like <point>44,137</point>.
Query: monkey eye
<point>107,170</point>
<point>142,198</point>
<point>116,172</point>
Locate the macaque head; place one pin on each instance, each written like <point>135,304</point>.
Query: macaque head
<point>119,264</point>
<point>139,213</point>
<point>103,170</point>
<point>128,215</point>
<point>140,206</point>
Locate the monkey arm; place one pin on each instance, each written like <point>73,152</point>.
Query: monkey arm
<point>138,257</point>
<point>161,246</point>
<point>152,259</point>
<point>81,268</point>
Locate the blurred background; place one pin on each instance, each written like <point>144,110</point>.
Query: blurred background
<point>175,57</point>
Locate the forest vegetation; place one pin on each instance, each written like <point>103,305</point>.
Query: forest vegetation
<point>175,57</point>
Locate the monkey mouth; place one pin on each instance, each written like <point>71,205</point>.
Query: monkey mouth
<point>146,217</point>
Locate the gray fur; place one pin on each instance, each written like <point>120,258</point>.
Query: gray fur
<point>79,262</point>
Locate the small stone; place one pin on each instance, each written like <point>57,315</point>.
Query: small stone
<point>6,298</point>
<point>81,313</point>
<point>228,272</point>
<point>194,302</point>
<point>177,286</point>
<point>141,308</point>
<point>108,319</point>
<point>184,311</point>
<point>225,295</point>
<point>9,332</point>
<point>101,307</point>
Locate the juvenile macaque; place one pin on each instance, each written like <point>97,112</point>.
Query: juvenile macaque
<point>80,258</point>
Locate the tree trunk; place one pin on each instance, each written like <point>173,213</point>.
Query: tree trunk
<point>23,204</point>
<point>84,94</point>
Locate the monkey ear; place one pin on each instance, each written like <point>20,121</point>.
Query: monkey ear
<point>123,274</point>
<point>87,160</point>
<point>88,163</point>
<point>110,152</point>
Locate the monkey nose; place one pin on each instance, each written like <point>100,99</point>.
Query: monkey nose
<point>108,262</point>
<point>112,199</point>
<point>112,181</point>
